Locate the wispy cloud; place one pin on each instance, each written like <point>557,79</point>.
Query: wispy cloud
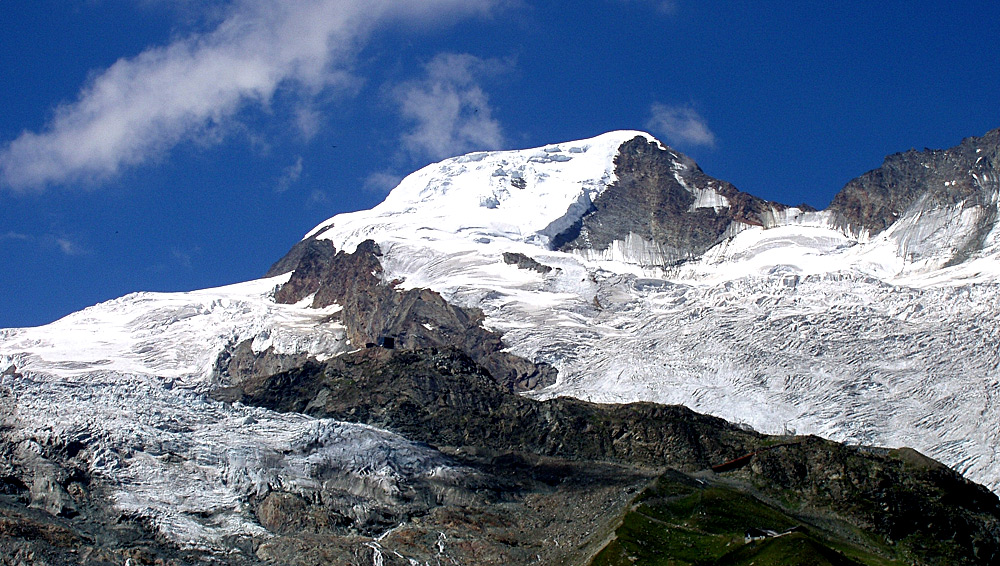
<point>69,247</point>
<point>14,236</point>
<point>318,198</point>
<point>64,244</point>
<point>289,176</point>
<point>449,110</point>
<point>667,7</point>
<point>381,182</point>
<point>681,125</point>
<point>308,120</point>
<point>184,258</point>
<point>142,106</point>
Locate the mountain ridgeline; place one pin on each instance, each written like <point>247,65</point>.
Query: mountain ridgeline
<point>660,197</point>
<point>966,174</point>
<point>915,183</point>
<point>657,197</point>
<point>418,383</point>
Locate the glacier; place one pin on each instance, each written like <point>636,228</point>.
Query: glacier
<point>799,324</point>
<point>129,379</point>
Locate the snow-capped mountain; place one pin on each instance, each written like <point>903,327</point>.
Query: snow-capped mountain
<point>127,379</point>
<point>866,323</point>
<point>614,260</point>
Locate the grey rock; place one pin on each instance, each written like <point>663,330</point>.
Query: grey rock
<point>653,199</point>
<point>967,173</point>
<point>524,262</point>
<point>413,318</point>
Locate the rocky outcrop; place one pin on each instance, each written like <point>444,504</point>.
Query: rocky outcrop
<point>443,397</point>
<point>811,502</point>
<point>525,510</point>
<point>930,513</point>
<point>413,318</point>
<point>877,504</point>
<point>240,361</point>
<point>308,251</point>
<point>966,174</point>
<point>524,262</point>
<point>663,209</point>
<point>664,198</point>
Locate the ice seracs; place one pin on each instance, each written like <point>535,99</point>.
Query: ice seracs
<point>792,320</point>
<point>801,321</point>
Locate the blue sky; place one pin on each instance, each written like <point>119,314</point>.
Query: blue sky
<point>172,145</point>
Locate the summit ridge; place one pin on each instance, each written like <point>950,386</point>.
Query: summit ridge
<point>511,295</point>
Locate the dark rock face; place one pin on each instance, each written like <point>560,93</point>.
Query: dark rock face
<point>511,504</point>
<point>240,362</point>
<point>414,318</point>
<point>967,172</point>
<point>878,504</point>
<point>443,397</point>
<point>811,502</point>
<point>309,251</point>
<point>524,262</point>
<point>521,510</point>
<point>333,277</point>
<point>943,525</point>
<point>649,200</point>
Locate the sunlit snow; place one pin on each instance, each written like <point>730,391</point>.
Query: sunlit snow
<point>795,325</point>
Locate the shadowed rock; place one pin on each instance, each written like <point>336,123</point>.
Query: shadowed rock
<point>655,198</point>
<point>413,318</point>
<point>966,173</point>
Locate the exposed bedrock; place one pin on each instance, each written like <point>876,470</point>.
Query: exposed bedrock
<point>656,197</point>
<point>919,181</point>
<point>414,318</point>
<point>915,508</point>
<point>443,397</point>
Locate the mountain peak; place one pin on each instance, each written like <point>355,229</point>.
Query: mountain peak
<point>937,205</point>
<point>666,202</point>
<point>528,195</point>
<point>609,270</point>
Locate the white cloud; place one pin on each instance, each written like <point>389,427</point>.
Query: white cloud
<point>289,176</point>
<point>318,198</point>
<point>142,106</point>
<point>450,112</point>
<point>63,243</point>
<point>308,119</point>
<point>381,182</point>
<point>680,125</point>
<point>183,258</point>
<point>14,236</point>
<point>666,6</point>
<point>69,247</point>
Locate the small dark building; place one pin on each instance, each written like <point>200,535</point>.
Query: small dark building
<point>387,342</point>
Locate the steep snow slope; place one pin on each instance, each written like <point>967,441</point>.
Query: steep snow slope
<point>526,196</point>
<point>800,321</point>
